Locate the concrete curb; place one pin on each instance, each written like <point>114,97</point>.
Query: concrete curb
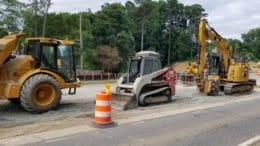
<point>251,142</point>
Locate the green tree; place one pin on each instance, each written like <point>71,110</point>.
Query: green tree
<point>144,14</point>
<point>35,17</point>
<point>10,16</point>
<point>167,27</point>
<point>237,45</point>
<point>112,26</point>
<point>251,42</point>
<point>110,58</point>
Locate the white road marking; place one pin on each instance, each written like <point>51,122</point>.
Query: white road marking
<point>251,141</point>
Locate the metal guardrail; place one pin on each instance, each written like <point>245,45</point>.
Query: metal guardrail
<point>97,75</point>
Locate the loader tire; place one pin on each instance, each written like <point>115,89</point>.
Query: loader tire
<point>40,93</point>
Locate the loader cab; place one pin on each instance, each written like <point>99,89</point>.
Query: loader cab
<point>144,63</point>
<point>54,55</point>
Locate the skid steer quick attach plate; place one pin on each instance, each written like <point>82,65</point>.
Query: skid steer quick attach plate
<point>123,102</point>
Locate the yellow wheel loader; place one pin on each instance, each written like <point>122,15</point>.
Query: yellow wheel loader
<point>35,77</point>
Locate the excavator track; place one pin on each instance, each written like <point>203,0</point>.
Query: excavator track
<point>231,88</point>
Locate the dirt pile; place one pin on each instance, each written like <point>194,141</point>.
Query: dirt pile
<point>180,66</point>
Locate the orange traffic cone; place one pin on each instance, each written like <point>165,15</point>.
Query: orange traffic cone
<point>102,118</point>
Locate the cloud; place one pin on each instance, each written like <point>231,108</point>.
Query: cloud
<point>231,18</point>
<point>80,5</point>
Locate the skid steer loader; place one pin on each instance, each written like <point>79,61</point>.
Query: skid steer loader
<point>35,77</point>
<point>145,83</point>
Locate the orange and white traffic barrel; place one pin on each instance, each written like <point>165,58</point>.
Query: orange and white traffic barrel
<point>102,117</point>
<point>103,108</point>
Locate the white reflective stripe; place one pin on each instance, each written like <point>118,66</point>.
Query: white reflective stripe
<point>102,114</point>
<point>103,103</point>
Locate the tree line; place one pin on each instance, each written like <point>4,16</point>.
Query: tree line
<point>115,32</point>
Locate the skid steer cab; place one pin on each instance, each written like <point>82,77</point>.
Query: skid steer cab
<point>36,77</point>
<point>145,83</point>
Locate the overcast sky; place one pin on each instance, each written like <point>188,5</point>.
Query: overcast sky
<point>230,18</point>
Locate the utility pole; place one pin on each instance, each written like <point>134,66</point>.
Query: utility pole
<point>81,41</point>
<point>142,36</point>
<point>35,18</point>
<point>142,31</point>
<point>169,49</point>
<point>47,6</point>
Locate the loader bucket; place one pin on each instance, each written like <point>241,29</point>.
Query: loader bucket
<point>123,102</point>
<point>7,45</point>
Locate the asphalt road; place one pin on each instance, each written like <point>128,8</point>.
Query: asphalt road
<point>226,126</point>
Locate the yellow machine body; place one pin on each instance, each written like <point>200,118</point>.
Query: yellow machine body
<point>238,72</point>
<point>231,75</point>
<point>192,69</point>
<point>188,76</point>
<point>15,70</point>
<point>14,73</point>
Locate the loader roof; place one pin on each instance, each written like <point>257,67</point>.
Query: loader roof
<point>51,41</point>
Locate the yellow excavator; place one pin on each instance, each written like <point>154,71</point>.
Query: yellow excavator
<point>188,76</point>
<point>35,77</point>
<point>220,70</point>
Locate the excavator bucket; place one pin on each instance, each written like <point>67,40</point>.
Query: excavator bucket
<point>124,102</point>
<point>7,45</point>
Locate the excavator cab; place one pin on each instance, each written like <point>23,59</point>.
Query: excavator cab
<point>213,62</point>
<point>53,55</point>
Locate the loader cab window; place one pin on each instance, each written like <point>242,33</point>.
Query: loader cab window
<point>151,65</point>
<point>134,69</point>
<point>33,49</point>
<point>156,65</point>
<point>148,66</point>
<point>48,56</point>
<point>65,62</point>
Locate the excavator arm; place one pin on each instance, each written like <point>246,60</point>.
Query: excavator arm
<point>207,82</point>
<point>206,32</point>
